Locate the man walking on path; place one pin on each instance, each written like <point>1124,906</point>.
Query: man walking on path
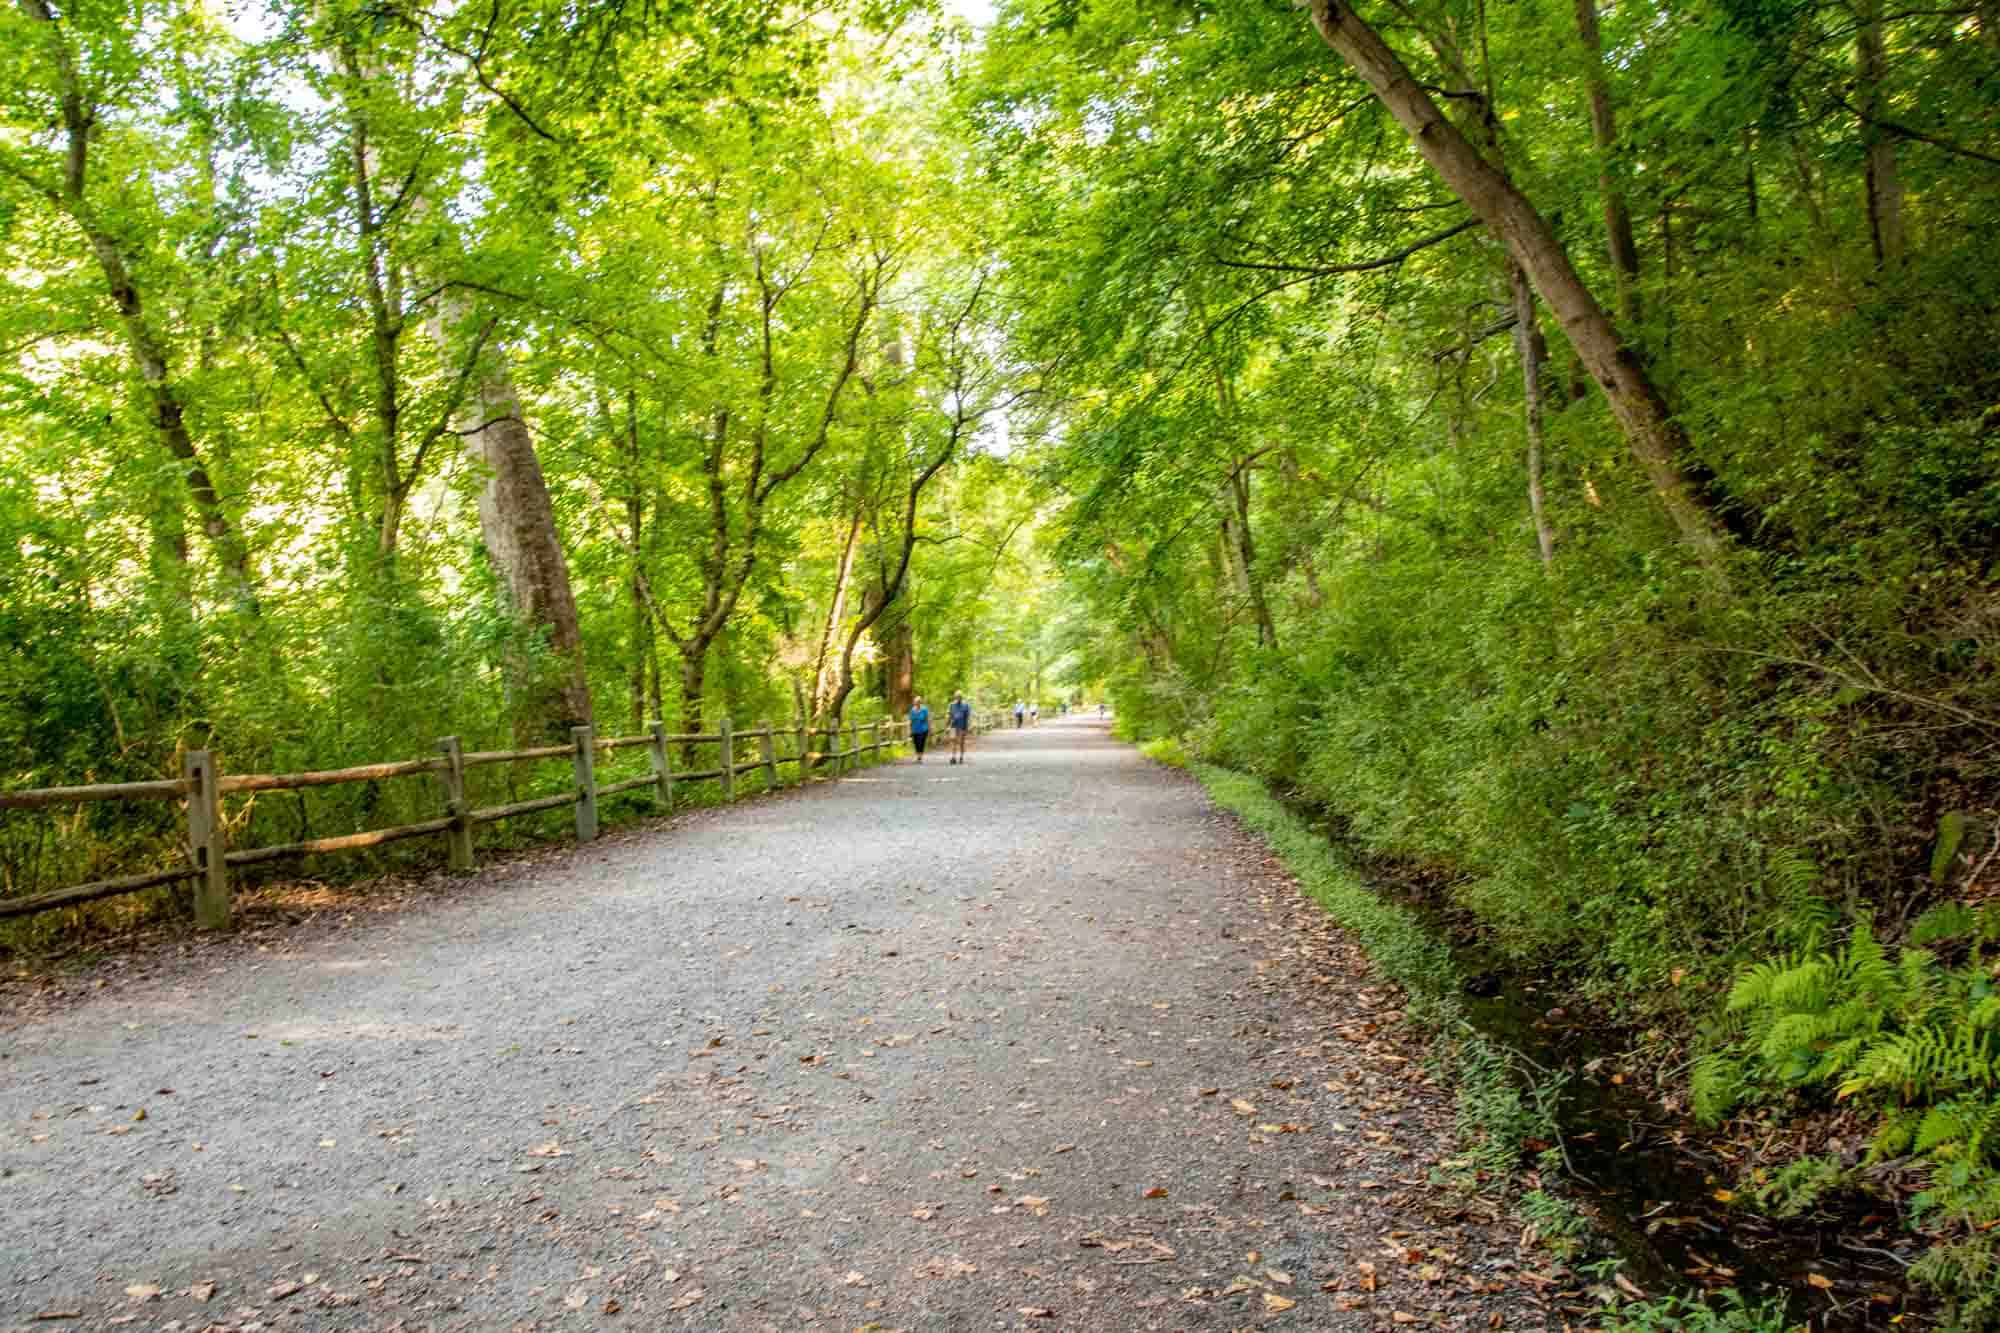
<point>1020,712</point>
<point>959,715</point>
<point>920,727</point>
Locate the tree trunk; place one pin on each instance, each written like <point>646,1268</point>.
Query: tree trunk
<point>1621,243</point>
<point>642,623</point>
<point>899,665</point>
<point>1534,354</point>
<point>1236,529</point>
<point>822,687</point>
<point>519,524</point>
<point>1656,441</point>
<point>1299,554</point>
<point>1885,186</point>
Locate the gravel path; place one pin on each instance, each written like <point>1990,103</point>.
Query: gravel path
<point>1042,1041</point>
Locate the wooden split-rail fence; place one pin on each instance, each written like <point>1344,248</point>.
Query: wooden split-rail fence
<point>202,785</point>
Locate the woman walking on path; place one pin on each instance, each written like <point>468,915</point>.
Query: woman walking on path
<point>920,727</point>
<point>959,715</point>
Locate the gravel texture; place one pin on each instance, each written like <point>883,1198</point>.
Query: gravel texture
<point>1041,1041</point>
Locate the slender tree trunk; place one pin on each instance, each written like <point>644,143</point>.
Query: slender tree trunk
<point>899,665</point>
<point>1621,243</point>
<point>1300,553</point>
<point>836,613</point>
<point>1653,436</point>
<point>1750,172</point>
<point>1885,186</point>
<point>642,622</point>
<point>1237,497</point>
<point>1533,353</point>
<point>635,535</point>
<point>694,686</point>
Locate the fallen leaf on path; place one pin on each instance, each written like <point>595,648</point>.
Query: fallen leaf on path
<point>202,1291</point>
<point>1241,1107</point>
<point>1819,1280</point>
<point>549,1149</point>
<point>142,1291</point>
<point>1279,1276</point>
<point>1157,1192</point>
<point>1037,1312</point>
<point>284,1289</point>
<point>58,1314</point>
<point>855,1278</point>
<point>611,1305</point>
<point>1277,1304</point>
<point>686,1299</point>
<point>1059,1148</point>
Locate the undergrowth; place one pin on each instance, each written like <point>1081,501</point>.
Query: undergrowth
<point>1913,1038</point>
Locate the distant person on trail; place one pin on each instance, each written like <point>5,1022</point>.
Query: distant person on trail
<point>1020,712</point>
<point>1034,714</point>
<point>1100,710</point>
<point>920,727</point>
<point>959,715</point>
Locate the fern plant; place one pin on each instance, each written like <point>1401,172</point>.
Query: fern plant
<point>1910,1036</point>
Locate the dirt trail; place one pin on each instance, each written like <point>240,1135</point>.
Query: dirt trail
<point>1042,1041</point>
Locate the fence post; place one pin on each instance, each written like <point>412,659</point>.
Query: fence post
<point>805,760</point>
<point>204,816</point>
<point>853,745</point>
<point>663,765</point>
<point>767,742</point>
<point>586,781</point>
<point>728,732</point>
<point>459,836</point>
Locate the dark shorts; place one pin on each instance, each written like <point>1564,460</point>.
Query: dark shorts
<point>920,739</point>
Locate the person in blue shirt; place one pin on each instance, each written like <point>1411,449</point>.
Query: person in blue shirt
<point>959,715</point>
<point>920,727</point>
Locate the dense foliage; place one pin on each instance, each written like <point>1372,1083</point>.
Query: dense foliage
<point>379,372</point>
<point>1558,445</point>
<point>1364,505</point>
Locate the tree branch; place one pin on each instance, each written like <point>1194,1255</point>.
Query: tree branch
<point>1363,266</point>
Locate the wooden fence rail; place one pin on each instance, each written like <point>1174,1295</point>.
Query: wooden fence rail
<point>202,786</point>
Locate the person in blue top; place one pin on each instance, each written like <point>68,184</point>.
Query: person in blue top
<point>959,715</point>
<point>920,727</point>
